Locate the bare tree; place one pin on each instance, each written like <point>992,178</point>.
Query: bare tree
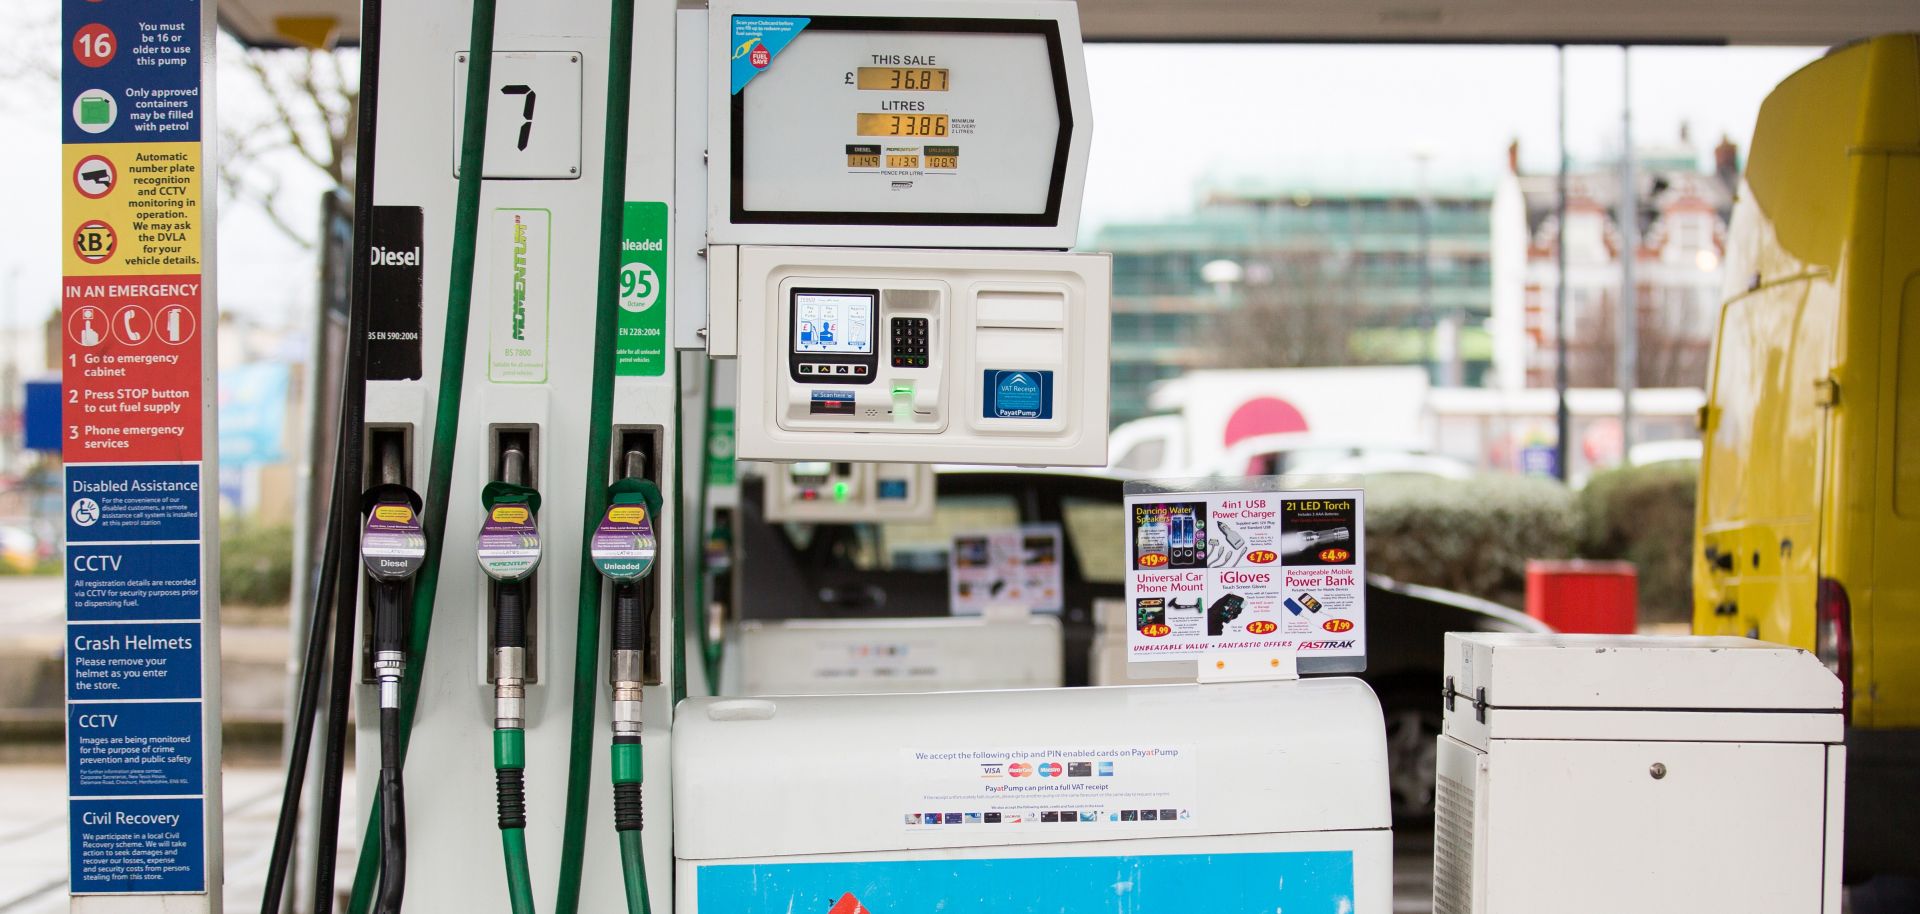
<point>309,113</point>
<point>1674,347</point>
<point>1293,312</point>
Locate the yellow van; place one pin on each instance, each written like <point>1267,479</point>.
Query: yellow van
<point>1808,530</point>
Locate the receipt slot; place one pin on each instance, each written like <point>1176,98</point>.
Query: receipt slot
<point>921,355</point>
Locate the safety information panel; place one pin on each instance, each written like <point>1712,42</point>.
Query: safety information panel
<point>1103,791</point>
<point>135,387</point>
<point>1213,572</point>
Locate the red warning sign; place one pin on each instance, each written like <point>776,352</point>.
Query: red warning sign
<point>130,390</point>
<point>848,905</point>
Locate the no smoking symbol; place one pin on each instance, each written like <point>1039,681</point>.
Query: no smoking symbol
<point>94,241</point>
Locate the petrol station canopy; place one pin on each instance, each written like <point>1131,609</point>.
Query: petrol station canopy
<point>1710,22</point>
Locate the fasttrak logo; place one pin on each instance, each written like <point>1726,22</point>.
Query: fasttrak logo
<point>519,279</point>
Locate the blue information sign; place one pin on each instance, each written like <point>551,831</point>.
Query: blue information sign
<point>119,503</point>
<point>133,581</point>
<point>146,845</point>
<point>125,748</point>
<point>133,660</point>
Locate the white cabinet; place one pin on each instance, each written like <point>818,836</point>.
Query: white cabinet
<point>1573,800</point>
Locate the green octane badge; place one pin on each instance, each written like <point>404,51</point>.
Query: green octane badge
<point>624,545</point>
<point>641,349</point>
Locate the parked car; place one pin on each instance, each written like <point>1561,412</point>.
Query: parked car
<point>893,570</point>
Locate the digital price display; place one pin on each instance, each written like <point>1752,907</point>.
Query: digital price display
<point>903,79</point>
<point>902,124</point>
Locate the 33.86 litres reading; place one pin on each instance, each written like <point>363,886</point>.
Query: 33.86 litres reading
<point>901,124</point>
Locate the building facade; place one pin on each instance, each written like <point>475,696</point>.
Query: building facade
<point>1301,276</point>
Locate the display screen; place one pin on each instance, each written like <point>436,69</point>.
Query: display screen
<point>900,124</point>
<point>839,322</point>
<point>905,79</point>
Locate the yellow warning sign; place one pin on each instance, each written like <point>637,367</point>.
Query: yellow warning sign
<point>132,208</point>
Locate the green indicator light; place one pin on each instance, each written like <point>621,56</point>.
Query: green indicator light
<point>839,491</point>
<point>903,391</point>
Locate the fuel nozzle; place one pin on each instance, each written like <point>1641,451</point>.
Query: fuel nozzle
<point>393,546</point>
<point>509,550</point>
<point>624,548</point>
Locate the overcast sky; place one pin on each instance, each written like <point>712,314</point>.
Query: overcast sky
<point>1167,118</point>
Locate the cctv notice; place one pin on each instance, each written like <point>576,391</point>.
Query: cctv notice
<point>1214,572</point>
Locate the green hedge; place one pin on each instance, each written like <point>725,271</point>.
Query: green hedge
<point>1645,516</point>
<point>1473,536</point>
<point>256,564</point>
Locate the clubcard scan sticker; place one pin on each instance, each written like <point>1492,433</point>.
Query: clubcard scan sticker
<point>1209,572</point>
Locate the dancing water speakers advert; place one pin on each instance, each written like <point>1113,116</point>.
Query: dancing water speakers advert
<point>1211,572</point>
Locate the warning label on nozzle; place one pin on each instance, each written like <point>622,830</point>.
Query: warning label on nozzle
<point>1245,571</point>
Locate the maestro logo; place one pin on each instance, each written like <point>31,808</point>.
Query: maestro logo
<point>1156,630</point>
<point>1020,770</point>
<point>1050,769</point>
<point>1262,556</point>
<point>1335,554</point>
<point>1262,627</point>
<point>1338,625</point>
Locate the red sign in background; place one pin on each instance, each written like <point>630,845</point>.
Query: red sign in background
<point>131,376</point>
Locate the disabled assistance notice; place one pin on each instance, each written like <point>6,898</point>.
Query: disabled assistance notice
<point>1214,572</point>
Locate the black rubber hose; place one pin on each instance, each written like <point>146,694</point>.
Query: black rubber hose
<point>510,784</point>
<point>307,708</point>
<point>510,614</point>
<point>393,816</point>
<point>389,618</point>
<point>353,409</point>
<point>629,617</point>
<point>626,807</point>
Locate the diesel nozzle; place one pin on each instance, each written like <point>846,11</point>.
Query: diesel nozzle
<point>393,546</point>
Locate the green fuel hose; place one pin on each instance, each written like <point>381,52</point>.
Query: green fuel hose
<point>586,656</point>
<point>702,601</point>
<point>509,765</point>
<point>633,864</point>
<point>446,419</point>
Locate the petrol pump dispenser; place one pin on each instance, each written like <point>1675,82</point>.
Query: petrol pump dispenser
<point>889,192</point>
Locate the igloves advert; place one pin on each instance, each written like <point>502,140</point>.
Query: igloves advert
<point>1246,571</point>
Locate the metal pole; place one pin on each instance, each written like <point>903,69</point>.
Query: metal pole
<point>1563,417</point>
<point>1626,367</point>
<point>1427,315</point>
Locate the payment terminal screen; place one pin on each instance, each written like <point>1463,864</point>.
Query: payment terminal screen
<point>833,322</point>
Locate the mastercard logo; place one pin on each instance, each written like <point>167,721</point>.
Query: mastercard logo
<point>1020,770</point>
<point>1262,627</point>
<point>1335,555</point>
<point>1261,556</point>
<point>1156,630</point>
<point>1152,560</point>
<point>1337,625</point>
